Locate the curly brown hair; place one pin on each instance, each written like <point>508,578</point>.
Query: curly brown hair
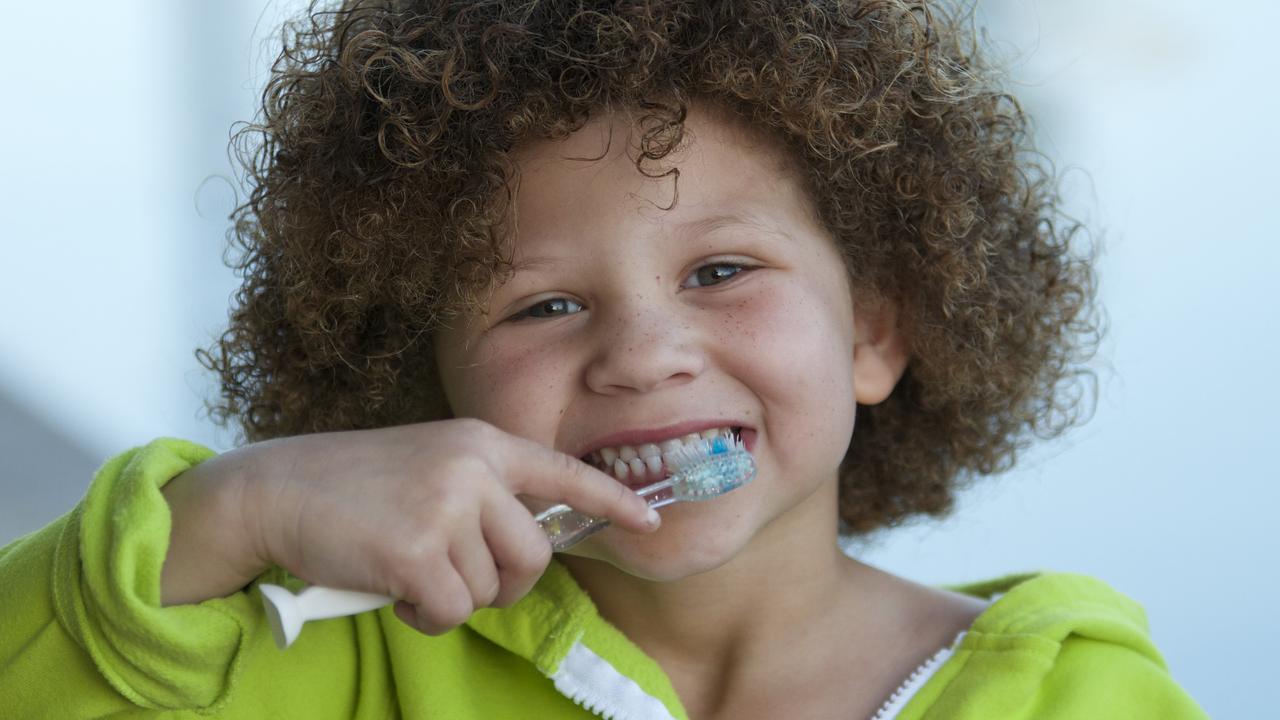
<point>381,173</point>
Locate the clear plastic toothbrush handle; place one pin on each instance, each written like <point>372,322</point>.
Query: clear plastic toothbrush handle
<point>566,527</point>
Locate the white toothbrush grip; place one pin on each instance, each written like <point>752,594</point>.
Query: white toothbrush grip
<point>320,603</point>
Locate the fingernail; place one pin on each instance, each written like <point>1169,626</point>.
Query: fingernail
<point>653,518</point>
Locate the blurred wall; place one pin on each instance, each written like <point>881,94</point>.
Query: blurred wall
<point>1161,114</point>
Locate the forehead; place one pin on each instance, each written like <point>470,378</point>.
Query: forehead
<point>589,184</point>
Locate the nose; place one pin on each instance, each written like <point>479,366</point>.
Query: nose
<point>644,345</point>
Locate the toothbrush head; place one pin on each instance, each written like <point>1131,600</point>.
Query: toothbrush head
<point>710,468</point>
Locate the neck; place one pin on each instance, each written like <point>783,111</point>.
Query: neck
<point>718,629</point>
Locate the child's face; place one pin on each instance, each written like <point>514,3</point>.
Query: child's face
<point>732,309</point>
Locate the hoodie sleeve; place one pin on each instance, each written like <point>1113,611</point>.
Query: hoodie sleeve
<point>83,634</point>
<point>1095,679</point>
<point>83,629</point>
<point>1055,646</point>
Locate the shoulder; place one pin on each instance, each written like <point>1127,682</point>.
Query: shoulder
<point>1054,606</point>
<point>1094,678</point>
<point>1060,645</point>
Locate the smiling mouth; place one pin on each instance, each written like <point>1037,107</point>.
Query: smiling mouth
<point>640,465</point>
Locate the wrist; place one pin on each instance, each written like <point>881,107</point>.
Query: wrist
<point>246,495</point>
<point>212,549</point>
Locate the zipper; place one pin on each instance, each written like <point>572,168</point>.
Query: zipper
<point>595,685</point>
<point>914,682</point>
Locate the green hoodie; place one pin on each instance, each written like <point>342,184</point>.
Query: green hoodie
<point>82,634</point>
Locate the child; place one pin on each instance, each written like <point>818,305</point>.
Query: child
<point>495,248</point>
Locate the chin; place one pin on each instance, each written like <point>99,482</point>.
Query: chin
<point>682,547</point>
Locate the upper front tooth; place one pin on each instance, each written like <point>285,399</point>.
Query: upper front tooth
<point>627,453</point>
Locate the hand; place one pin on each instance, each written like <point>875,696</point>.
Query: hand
<point>425,513</point>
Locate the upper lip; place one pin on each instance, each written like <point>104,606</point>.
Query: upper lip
<point>653,435</point>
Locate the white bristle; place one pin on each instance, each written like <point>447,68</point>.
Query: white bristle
<point>704,469</point>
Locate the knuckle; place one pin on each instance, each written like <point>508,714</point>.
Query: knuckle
<point>445,507</point>
<point>454,611</point>
<point>474,430</point>
<point>463,465</point>
<point>621,495</point>
<point>571,467</point>
<point>427,624</point>
<point>532,556</point>
<point>390,564</point>
<point>408,567</point>
<point>567,473</point>
<point>623,499</point>
<point>512,591</point>
<point>437,615</point>
<point>416,549</point>
<point>487,598</point>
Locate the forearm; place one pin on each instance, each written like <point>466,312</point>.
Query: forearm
<point>212,550</point>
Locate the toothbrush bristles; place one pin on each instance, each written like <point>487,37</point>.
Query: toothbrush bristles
<point>710,468</point>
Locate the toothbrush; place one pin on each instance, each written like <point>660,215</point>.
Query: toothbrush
<point>698,471</point>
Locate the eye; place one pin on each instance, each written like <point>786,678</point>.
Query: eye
<point>714,274</point>
<point>549,308</point>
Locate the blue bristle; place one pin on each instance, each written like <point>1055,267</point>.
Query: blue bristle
<point>721,467</point>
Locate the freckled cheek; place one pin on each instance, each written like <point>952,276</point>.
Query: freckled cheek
<point>512,387</point>
<point>783,328</point>
<point>795,351</point>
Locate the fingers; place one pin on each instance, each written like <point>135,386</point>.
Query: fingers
<point>443,527</point>
<point>547,474</point>
<point>518,547</point>
<point>492,568</point>
<point>440,601</point>
<point>475,566</point>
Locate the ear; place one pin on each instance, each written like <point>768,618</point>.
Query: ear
<point>879,351</point>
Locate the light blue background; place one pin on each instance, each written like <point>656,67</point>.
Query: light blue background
<point>1163,114</point>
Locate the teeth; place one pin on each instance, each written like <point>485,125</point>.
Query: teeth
<point>629,463</point>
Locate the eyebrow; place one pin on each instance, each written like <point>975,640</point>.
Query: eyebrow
<point>685,231</point>
<point>702,226</point>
